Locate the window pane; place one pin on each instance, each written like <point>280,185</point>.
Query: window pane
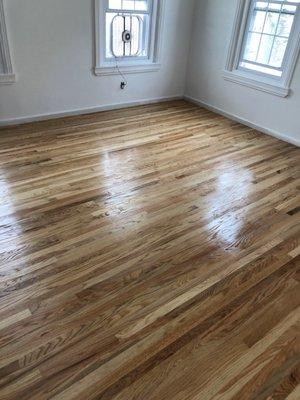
<point>119,25</point>
<point>251,48</point>
<point>288,8</point>
<point>274,7</point>
<point>265,48</point>
<point>118,47</point>
<point>271,22</point>
<point>128,5</point>
<point>278,52</point>
<point>115,4</point>
<point>257,21</point>
<point>285,24</point>
<point>261,4</point>
<point>109,18</point>
<point>141,5</point>
<point>135,36</point>
<point>259,68</point>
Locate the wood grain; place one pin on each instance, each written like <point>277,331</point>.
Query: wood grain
<point>150,253</point>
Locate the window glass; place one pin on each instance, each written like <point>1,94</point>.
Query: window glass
<point>266,38</point>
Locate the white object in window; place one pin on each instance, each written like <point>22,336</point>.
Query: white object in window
<point>128,35</point>
<point>265,45</point>
<point>6,70</point>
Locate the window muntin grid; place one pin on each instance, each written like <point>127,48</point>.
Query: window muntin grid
<point>269,26</point>
<point>129,5</point>
<point>131,15</point>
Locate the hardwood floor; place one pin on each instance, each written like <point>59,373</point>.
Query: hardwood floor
<point>149,253</point>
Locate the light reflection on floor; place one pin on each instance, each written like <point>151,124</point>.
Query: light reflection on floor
<point>10,228</point>
<point>231,186</point>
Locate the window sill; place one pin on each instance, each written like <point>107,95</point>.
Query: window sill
<point>127,69</point>
<point>7,79</point>
<point>264,85</point>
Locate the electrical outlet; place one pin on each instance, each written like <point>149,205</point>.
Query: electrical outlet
<point>122,86</point>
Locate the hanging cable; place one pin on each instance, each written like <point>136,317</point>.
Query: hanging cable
<point>120,72</point>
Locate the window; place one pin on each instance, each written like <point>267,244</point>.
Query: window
<point>127,28</point>
<point>6,71</point>
<point>265,45</point>
<point>127,35</point>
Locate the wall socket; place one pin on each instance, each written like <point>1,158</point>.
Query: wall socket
<point>123,85</point>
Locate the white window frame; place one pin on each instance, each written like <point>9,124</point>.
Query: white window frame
<point>128,64</point>
<point>279,86</point>
<point>7,77</point>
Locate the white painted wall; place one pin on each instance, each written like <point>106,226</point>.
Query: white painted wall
<point>52,46</point>
<point>212,27</point>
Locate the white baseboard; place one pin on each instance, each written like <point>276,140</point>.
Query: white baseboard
<point>82,111</point>
<point>243,121</point>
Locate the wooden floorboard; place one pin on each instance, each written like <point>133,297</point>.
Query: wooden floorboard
<point>150,253</point>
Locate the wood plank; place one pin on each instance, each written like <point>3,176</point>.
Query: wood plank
<point>148,253</point>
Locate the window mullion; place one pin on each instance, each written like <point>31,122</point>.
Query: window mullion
<point>272,47</point>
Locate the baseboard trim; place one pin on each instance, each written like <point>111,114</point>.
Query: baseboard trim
<point>91,110</point>
<point>243,121</point>
<point>84,111</point>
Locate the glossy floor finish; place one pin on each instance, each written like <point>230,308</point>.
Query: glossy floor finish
<point>150,253</point>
